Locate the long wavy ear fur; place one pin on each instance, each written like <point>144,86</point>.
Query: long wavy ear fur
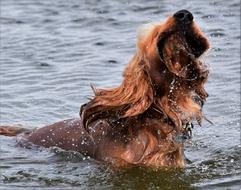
<point>135,94</point>
<point>132,97</point>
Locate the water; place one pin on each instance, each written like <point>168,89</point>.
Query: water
<point>52,50</point>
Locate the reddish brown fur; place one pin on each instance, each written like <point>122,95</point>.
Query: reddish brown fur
<point>144,87</point>
<point>139,121</point>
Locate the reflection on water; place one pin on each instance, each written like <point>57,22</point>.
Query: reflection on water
<point>52,50</point>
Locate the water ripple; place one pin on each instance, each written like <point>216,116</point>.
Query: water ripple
<point>52,50</point>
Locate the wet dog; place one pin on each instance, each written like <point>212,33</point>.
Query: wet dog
<point>145,119</point>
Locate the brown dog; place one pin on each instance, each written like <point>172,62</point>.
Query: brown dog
<point>143,120</point>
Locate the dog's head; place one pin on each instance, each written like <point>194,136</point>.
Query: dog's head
<point>174,45</point>
<point>181,34</point>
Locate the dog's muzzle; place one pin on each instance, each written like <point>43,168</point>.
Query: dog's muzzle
<point>183,17</point>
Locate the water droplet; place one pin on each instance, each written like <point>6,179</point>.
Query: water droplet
<point>159,132</point>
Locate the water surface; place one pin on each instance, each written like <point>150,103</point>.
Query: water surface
<point>52,50</point>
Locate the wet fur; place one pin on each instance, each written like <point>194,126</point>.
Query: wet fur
<point>139,121</point>
<point>155,79</point>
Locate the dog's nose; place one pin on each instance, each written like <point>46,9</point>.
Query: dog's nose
<point>183,17</point>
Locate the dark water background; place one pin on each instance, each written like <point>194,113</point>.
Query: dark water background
<point>52,50</point>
